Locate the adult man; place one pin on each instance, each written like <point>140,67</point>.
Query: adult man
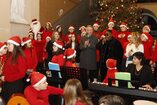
<point>88,53</point>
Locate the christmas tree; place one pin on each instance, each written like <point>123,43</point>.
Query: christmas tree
<point>121,11</point>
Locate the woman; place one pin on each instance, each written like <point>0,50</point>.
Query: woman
<point>74,45</point>
<point>135,45</point>
<point>30,53</point>
<point>140,72</point>
<point>73,93</point>
<point>58,53</point>
<point>70,55</point>
<point>14,69</point>
<point>39,46</point>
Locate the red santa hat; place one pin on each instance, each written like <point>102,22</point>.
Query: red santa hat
<point>70,53</point>
<point>82,27</point>
<point>59,44</point>
<point>123,24</point>
<point>37,78</point>
<point>96,24</point>
<point>147,27</point>
<point>111,63</point>
<point>145,35</point>
<point>25,40</point>
<point>15,40</point>
<point>111,21</point>
<point>71,27</point>
<point>34,21</point>
<point>2,46</point>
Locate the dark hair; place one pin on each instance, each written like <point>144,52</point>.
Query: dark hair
<point>140,56</point>
<point>58,52</point>
<point>16,52</point>
<point>111,100</point>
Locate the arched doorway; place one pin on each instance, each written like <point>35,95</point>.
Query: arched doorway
<point>150,19</point>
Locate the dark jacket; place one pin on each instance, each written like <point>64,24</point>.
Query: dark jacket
<point>111,49</point>
<point>88,54</point>
<point>144,77</point>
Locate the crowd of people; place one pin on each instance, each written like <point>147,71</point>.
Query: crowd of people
<point>133,52</point>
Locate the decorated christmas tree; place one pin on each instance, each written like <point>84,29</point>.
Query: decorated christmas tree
<point>121,11</point>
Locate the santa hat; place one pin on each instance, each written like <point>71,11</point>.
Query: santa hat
<point>48,37</point>
<point>147,26</point>
<point>15,40</point>
<point>34,21</point>
<point>111,63</point>
<point>82,27</point>
<point>145,35</point>
<point>71,27</point>
<point>2,46</point>
<point>49,23</point>
<point>70,53</point>
<point>96,24</point>
<point>111,21</point>
<point>36,78</point>
<point>58,26</point>
<point>59,44</point>
<point>124,24</point>
<point>25,40</point>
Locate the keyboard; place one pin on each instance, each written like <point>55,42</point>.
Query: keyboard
<point>139,93</point>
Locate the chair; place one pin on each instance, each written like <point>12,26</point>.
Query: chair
<point>18,99</point>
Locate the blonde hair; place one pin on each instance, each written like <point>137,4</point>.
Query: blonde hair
<point>73,91</point>
<point>136,37</point>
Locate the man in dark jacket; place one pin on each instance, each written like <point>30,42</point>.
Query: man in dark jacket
<point>109,48</point>
<point>88,53</point>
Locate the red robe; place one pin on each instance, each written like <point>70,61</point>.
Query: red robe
<point>148,46</point>
<point>70,64</point>
<point>35,97</point>
<point>124,39</point>
<point>39,46</point>
<point>46,33</point>
<point>79,103</point>
<point>31,58</point>
<point>110,74</point>
<point>114,32</point>
<point>154,53</point>
<point>13,72</point>
<point>59,59</point>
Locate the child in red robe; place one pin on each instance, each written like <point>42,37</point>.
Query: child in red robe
<point>70,55</point>
<point>112,69</point>
<point>37,93</point>
<point>58,53</point>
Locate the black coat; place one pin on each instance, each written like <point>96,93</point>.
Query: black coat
<point>144,77</point>
<point>88,54</point>
<point>110,49</point>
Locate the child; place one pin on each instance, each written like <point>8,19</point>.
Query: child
<point>30,53</point>
<point>112,69</point>
<point>37,93</point>
<point>58,53</point>
<point>70,55</point>
<point>147,41</point>
<point>73,93</point>
<point>14,69</point>
<point>123,34</point>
